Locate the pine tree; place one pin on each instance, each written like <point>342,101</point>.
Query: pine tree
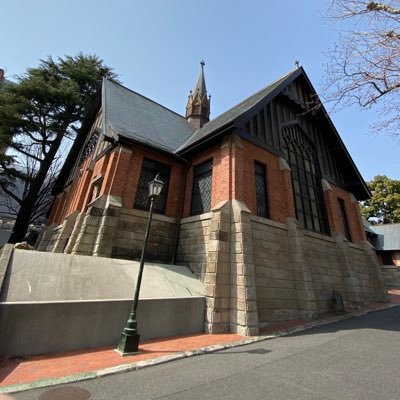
<point>46,105</point>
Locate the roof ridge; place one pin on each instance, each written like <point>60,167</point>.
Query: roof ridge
<point>283,77</point>
<point>144,97</point>
<point>254,94</point>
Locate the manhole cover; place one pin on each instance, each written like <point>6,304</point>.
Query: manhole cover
<point>65,393</point>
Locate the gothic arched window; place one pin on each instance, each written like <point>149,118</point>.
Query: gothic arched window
<point>90,146</point>
<point>306,178</point>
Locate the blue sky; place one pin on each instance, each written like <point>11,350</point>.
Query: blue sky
<point>156,45</point>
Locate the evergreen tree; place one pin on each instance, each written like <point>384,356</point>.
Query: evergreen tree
<point>46,105</point>
<point>384,205</point>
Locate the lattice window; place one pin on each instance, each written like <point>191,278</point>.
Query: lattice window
<point>90,146</point>
<point>202,183</point>
<point>261,190</point>
<point>306,179</point>
<point>150,168</point>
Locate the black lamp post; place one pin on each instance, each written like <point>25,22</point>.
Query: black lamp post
<point>129,341</point>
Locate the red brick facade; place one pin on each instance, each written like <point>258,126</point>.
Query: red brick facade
<point>233,177</point>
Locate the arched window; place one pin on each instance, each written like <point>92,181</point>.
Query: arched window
<point>306,179</point>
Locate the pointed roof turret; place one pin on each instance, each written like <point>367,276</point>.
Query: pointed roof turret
<point>200,87</point>
<point>198,105</point>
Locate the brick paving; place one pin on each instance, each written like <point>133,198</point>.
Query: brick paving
<point>30,369</point>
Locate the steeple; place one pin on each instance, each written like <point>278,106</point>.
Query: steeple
<point>198,105</point>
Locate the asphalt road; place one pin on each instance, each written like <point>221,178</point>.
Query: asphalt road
<point>354,359</point>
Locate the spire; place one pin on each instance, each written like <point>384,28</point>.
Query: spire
<point>200,87</point>
<point>198,105</point>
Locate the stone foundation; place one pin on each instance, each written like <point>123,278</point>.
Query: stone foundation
<point>194,235</point>
<point>108,230</point>
<point>391,276</point>
<point>255,271</point>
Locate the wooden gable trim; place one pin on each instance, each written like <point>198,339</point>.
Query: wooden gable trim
<point>339,150</point>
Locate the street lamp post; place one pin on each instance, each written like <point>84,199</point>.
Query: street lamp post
<point>129,341</point>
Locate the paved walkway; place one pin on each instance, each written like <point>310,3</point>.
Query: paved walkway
<point>22,373</point>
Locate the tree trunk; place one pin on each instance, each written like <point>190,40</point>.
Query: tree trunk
<point>22,222</point>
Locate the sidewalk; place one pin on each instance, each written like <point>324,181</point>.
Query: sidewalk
<point>23,373</point>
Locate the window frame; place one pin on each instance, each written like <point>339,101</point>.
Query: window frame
<point>198,175</point>
<point>344,219</point>
<point>264,195</point>
<point>160,202</point>
<point>308,195</point>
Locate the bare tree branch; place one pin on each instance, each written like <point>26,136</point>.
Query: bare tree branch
<point>364,66</point>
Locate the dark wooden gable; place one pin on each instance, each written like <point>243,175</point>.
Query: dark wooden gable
<point>297,104</point>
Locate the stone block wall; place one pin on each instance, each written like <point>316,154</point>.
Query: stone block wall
<point>129,235</point>
<point>322,259</point>
<point>255,270</point>
<point>274,274</point>
<point>108,230</point>
<point>193,243</point>
<point>391,276</point>
<point>367,272</point>
<point>52,234</point>
<point>296,271</point>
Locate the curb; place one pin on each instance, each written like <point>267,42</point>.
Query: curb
<point>184,354</point>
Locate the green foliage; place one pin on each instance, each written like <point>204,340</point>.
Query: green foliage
<point>44,106</point>
<point>384,205</point>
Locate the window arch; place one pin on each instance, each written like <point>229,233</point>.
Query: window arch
<point>306,179</point>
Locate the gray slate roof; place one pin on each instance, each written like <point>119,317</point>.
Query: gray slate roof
<point>233,113</point>
<point>136,117</point>
<point>133,116</point>
<point>388,236</point>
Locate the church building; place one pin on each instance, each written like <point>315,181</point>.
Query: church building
<point>260,202</point>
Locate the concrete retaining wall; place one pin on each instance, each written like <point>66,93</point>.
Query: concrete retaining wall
<point>47,327</point>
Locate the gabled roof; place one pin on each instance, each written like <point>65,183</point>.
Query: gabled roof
<point>133,116</point>
<point>229,116</point>
<point>129,115</point>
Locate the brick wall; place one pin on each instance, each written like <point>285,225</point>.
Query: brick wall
<point>219,177</point>
<point>279,185</point>
<point>332,195</point>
